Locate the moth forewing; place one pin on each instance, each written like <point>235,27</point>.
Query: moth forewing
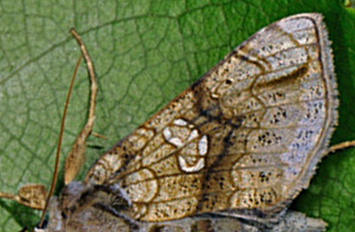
<point>229,153</point>
<point>246,136</point>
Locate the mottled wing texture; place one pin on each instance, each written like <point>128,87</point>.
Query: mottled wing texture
<point>247,135</point>
<point>94,219</point>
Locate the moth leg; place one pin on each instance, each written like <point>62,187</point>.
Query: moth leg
<point>77,199</point>
<point>76,196</point>
<point>111,210</point>
<point>76,157</point>
<point>113,200</point>
<point>30,195</point>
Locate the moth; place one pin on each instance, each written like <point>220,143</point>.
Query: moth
<point>230,153</point>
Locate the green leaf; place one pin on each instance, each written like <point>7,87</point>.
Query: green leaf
<point>145,53</point>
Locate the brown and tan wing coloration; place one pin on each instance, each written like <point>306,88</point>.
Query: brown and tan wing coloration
<point>97,216</point>
<point>247,135</point>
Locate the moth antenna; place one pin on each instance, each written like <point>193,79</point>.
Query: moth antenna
<point>90,68</point>
<point>57,156</point>
<point>76,157</point>
<point>77,153</point>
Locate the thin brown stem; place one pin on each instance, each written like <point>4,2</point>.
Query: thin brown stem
<point>341,146</point>
<point>56,164</point>
<point>99,135</point>
<point>7,196</point>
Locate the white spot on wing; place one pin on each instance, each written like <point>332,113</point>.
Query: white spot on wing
<point>195,168</point>
<point>167,133</point>
<point>193,135</point>
<point>176,141</point>
<point>203,145</point>
<point>180,122</point>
